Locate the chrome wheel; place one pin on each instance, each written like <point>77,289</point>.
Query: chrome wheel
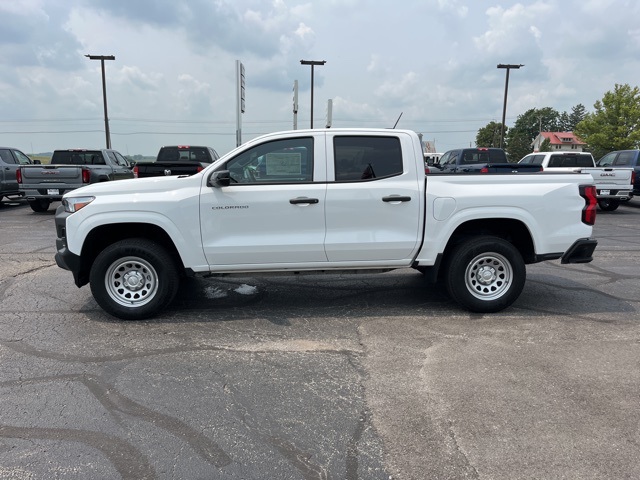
<point>131,281</point>
<point>488,276</point>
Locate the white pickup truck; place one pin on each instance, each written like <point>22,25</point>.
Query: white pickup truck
<point>326,201</point>
<point>613,185</point>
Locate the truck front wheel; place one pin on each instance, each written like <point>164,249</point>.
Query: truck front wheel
<point>485,274</point>
<point>134,279</point>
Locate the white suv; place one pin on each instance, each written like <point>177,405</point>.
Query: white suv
<point>560,161</point>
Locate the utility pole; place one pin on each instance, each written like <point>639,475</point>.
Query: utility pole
<point>313,63</point>
<point>102,58</point>
<point>506,89</point>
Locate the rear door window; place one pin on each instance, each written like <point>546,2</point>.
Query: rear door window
<point>362,158</point>
<point>7,156</point>
<point>625,159</point>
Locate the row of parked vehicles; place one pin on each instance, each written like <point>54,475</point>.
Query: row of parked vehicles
<point>616,175</point>
<point>42,184</point>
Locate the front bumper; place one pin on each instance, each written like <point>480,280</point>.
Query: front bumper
<point>581,251</point>
<point>64,257</point>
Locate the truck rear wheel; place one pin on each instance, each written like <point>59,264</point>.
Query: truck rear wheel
<point>134,279</point>
<point>39,205</point>
<point>608,205</point>
<point>485,274</point>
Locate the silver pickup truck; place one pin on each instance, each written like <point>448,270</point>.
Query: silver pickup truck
<point>68,170</point>
<point>613,185</point>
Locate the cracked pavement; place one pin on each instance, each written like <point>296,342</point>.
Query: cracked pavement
<point>321,377</point>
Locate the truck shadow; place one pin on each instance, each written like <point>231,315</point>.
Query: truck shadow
<point>400,293</point>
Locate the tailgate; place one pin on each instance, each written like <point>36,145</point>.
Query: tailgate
<point>615,177</point>
<point>49,174</point>
<point>168,168</point>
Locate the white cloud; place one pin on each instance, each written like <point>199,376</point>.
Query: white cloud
<point>433,60</point>
<point>513,27</point>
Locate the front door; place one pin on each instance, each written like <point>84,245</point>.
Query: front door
<point>273,212</point>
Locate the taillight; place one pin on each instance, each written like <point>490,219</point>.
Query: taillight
<point>484,170</point>
<point>633,177</point>
<point>135,171</point>
<point>86,175</point>
<point>426,169</point>
<point>19,175</point>
<point>588,192</point>
<point>199,169</point>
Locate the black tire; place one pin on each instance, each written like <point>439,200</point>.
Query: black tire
<point>485,274</point>
<point>134,279</point>
<point>39,205</point>
<point>608,205</point>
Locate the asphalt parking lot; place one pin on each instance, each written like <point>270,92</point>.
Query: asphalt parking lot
<point>321,377</point>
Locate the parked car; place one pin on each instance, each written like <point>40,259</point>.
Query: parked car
<point>613,185</point>
<point>477,160</point>
<point>68,170</point>
<point>10,161</point>
<point>624,158</point>
<point>327,200</point>
<point>177,160</point>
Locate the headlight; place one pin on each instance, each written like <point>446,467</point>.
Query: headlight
<point>73,204</point>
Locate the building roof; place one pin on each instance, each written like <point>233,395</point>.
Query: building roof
<point>562,138</point>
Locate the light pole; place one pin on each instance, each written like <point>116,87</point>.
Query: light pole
<point>313,63</point>
<point>102,58</point>
<point>506,88</point>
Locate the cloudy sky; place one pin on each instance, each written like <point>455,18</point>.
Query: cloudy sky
<point>173,79</point>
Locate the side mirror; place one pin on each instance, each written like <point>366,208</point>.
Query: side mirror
<point>36,162</point>
<point>220,178</point>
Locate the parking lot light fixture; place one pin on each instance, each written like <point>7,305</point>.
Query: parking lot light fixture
<point>313,63</point>
<point>102,58</point>
<point>504,105</point>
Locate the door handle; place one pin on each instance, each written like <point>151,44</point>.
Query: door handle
<point>396,198</point>
<point>303,200</point>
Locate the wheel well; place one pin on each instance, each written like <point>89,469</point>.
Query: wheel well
<point>513,231</point>
<point>101,237</point>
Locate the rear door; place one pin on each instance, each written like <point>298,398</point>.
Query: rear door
<point>374,203</point>
<point>9,165</point>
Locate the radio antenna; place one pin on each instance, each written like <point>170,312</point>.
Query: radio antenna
<point>394,125</point>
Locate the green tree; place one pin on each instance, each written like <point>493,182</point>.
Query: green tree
<point>564,123</point>
<point>615,124</point>
<point>567,121</point>
<point>489,135</point>
<point>545,146</point>
<point>578,113</point>
<point>526,129</point>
